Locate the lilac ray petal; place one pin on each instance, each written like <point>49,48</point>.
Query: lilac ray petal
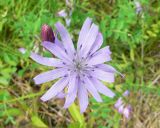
<point>72,82</point>
<point>50,75</point>
<point>84,30</point>
<point>55,89</point>
<point>72,92</point>
<point>83,97</point>
<point>101,56</point>
<point>90,87</point>
<point>66,39</point>
<point>97,44</point>
<point>108,68</point>
<point>102,88</point>
<point>102,75</point>
<point>90,39</point>
<point>57,51</point>
<point>46,61</point>
<point>59,43</point>
<point>61,95</point>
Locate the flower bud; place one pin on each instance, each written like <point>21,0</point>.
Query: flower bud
<point>120,109</point>
<point>138,7</point>
<point>118,103</point>
<point>47,33</point>
<point>127,111</point>
<point>126,93</point>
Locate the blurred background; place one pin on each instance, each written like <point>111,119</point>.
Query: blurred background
<point>132,30</point>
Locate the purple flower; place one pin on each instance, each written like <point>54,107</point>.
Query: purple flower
<point>122,107</point>
<point>68,21</point>
<point>118,103</point>
<point>67,16</point>
<point>80,71</point>
<point>127,111</point>
<point>126,93</point>
<point>67,12</point>
<point>138,7</point>
<point>62,13</point>
<point>69,3</point>
<point>22,50</point>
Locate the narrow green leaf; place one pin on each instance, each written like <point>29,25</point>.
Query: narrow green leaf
<point>132,54</point>
<point>12,112</point>
<point>38,123</point>
<point>76,115</point>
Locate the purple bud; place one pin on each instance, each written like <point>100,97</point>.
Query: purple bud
<point>138,7</point>
<point>68,21</point>
<point>22,50</point>
<point>47,33</point>
<point>126,93</point>
<point>127,111</point>
<point>62,13</point>
<point>118,103</point>
<point>121,109</point>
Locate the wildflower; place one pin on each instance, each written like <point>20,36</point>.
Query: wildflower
<point>80,71</point>
<point>126,93</point>
<point>138,7</point>
<point>22,50</point>
<point>67,17</point>
<point>66,14</point>
<point>62,13</point>
<point>127,111</point>
<point>122,108</point>
<point>69,3</point>
<point>118,103</point>
<point>68,21</point>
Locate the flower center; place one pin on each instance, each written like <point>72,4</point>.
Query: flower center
<point>78,66</point>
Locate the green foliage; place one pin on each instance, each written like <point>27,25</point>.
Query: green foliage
<point>79,121</point>
<point>6,112</point>
<point>102,113</point>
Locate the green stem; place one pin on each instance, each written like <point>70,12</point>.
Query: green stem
<point>77,116</point>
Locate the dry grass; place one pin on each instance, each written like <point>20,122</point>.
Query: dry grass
<point>146,111</point>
